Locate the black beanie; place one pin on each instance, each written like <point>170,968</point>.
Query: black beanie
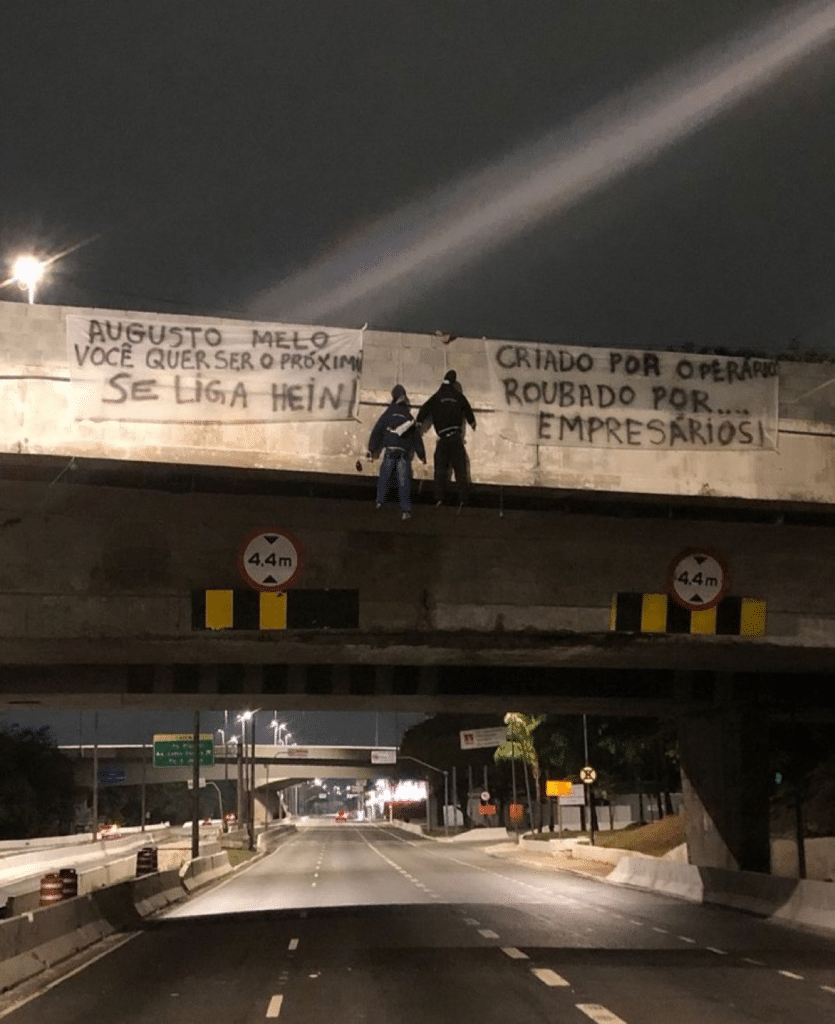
<point>450,377</point>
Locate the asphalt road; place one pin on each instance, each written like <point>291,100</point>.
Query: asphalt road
<point>355,923</point>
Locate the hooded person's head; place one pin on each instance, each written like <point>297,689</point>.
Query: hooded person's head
<point>398,394</point>
<point>450,377</point>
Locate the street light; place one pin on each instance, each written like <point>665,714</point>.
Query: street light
<point>277,727</point>
<point>225,767</point>
<point>27,271</point>
<point>243,718</point>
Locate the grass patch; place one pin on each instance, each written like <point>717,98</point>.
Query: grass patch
<point>655,839</point>
<point>238,857</point>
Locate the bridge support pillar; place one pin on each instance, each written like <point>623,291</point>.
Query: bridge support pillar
<point>725,788</point>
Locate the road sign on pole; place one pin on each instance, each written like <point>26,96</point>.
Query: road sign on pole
<point>176,750</point>
<point>587,775</point>
<point>471,739</point>
<point>557,787</point>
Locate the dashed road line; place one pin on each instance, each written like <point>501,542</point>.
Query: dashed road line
<point>792,975</point>
<point>685,938</point>
<point>294,944</point>
<point>599,1014</point>
<point>828,988</point>
<point>663,931</point>
<point>274,1008</point>
<point>487,933</point>
<point>514,953</point>
<point>640,924</point>
<point>751,960</point>
<point>718,952</point>
<point>549,977</point>
<point>472,921</point>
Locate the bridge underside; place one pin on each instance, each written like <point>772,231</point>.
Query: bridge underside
<point>606,675</point>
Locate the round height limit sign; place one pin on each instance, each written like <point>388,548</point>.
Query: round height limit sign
<point>697,580</point>
<point>270,560</point>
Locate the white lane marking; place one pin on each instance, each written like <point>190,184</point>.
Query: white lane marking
<point>472,921</point>
<point>640,924</point>
<point>549,977</point>
<point>274,1009</point>
<point>487,933</point>
<point>685,938</point>
<point>663,931</point>
<point>312,885</point>
<point>294,944</point>
<point>514,953</point>
<point>719,952</point>
<point>828,988</point>
<point>76,970</point>
<point>756,963</point>
<point>599,1014</point>
<point>792,975</point>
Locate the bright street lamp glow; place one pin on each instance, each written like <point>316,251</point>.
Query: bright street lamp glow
<point>27,271</point>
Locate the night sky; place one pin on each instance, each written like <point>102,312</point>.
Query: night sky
<point>355,728</point>
<point>208,153</point>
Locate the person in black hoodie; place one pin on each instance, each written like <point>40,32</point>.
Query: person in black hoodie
<point>399,438</point>
<point>448,408</point>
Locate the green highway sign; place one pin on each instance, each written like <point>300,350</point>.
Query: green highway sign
<point>176,750</point>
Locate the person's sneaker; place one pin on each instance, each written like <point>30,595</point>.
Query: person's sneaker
<point>406,515</point>
<point>378,505</point>
<point>437,503</point>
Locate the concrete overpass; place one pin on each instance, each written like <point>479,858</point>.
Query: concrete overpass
<point>130,764</point>
<point>111,526</point>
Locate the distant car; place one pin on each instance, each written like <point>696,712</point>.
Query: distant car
<point>110,832</point>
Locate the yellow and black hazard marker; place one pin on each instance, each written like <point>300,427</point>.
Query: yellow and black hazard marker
<point>294,609</point>
<point>659,613</point>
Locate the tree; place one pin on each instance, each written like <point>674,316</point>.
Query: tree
<point>520,746</point>
<point>36,785</point>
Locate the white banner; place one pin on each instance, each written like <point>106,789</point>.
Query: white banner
<point>618,398</point>
<point>471,739</point>
<point>169,372</point>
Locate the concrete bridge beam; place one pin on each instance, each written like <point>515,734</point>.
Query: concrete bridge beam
<point>725,784</point>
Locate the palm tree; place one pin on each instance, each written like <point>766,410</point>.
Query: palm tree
<point>520,746</point>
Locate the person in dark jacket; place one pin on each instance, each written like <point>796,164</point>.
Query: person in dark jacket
<point>448,408</point>
<point>398,437</point>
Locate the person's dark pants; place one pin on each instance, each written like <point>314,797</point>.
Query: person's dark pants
<point>450,453</point>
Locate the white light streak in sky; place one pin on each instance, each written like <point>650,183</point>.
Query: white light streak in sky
<point>430,241</point>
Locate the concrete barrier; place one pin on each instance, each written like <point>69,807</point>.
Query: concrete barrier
<point>408,826</point>
<point>599,854</point>
<point>202,870</point>
<point>793,901</point>
<point>152,893</point>
<point>682,880</point>
<point>34,941</point>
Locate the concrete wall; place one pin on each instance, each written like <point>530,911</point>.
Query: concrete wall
<point>36,417</point>
<point>121,563</point>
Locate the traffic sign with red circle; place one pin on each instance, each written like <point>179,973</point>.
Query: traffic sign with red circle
<point>270,560</point>
<point>697,579</point>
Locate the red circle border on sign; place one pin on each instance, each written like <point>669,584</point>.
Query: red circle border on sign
<point>705,605</point>
<point>266,588</point>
